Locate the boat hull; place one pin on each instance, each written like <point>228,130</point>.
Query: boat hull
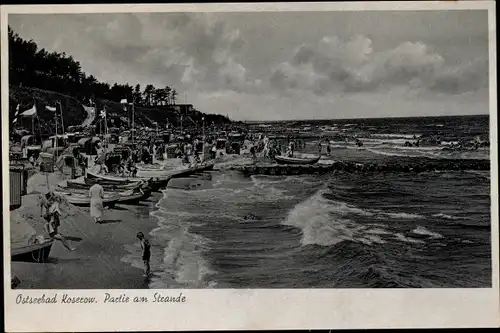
<point>104,179</point>
<point>118,187</point>
<point>296,161</point>
<point>32,253</point>
<point>154,182</point>
<point>82,200</point>
<point>135,198</point>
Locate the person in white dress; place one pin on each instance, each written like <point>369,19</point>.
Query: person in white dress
<point>96,194</point>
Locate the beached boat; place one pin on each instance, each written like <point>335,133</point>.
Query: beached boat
<point>132,196</point>
<point>205,166</point>
<point>80,197</point>
<point>157,170</point>
<point>83,200</point>
<point>33,252</point>
<point>124,196</point>
<point>148,167</point>
<point>82,185</point>
<point>155,182</point>
<point>106,179</point>
<point>296,160</point>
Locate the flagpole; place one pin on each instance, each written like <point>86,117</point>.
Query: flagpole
<point>105,122</point>
<point>62,119</point>
<point>55,139</point>
<point>33,122</point>
<point>203,146</point>
<point>133,120</point>
<point>106,128</point>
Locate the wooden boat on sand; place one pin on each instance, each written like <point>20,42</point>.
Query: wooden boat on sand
<point>83,185</point>
<point>92,177</point>
<point>32,253</point>
<point>83,200</point>
<point>155,182</point>
<point>296,160</point>
<point>133,196</point>
<point>80,197</point>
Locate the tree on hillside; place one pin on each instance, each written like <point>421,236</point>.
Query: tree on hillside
<point>137,95</point>
<point>148,94</point>
<point>161,97</point>
<point>173,95</point>
<point>168,95</point>
<point>52,71</point>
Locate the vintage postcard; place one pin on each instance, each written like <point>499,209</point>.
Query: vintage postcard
<point>250,166</point>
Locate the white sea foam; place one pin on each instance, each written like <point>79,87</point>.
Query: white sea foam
<point>425,232</point>
<point>402,215</point>
<point>395,135</point>
<point>405,239</point>
<point>324,222</point>
<point>446,216</point>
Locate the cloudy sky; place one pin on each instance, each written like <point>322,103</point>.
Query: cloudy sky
<point>285,65</point>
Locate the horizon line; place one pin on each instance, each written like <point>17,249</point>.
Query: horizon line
<point>395,117</point>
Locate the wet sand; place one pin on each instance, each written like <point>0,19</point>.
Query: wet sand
<point>97,261</point>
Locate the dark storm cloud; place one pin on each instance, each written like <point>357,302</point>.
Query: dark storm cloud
<point>334,64</point>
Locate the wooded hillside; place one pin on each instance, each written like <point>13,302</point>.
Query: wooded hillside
<point>45,78</point>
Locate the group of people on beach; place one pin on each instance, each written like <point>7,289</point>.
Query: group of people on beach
<point>272,147</point>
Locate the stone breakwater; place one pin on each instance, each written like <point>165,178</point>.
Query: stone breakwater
<point>422,165</point>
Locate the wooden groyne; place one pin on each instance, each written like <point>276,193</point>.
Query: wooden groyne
<point>349,166</point>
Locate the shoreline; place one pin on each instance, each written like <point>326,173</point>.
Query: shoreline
<point>107,255</point>
<point>97,261</point>
<point>101,259</point>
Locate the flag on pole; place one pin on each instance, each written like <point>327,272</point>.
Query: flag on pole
<point>123,101</point>
<point>51,108</point>
<point>30,112</point>
<point>16,114</point>
<point>103,113</point>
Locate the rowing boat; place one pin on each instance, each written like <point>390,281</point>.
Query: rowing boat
<point>33,252</point>
<point>155,182</point>
<point>83,200</point>
<point>107,179</point>
<point>296,161</point>
<point>82,185</point>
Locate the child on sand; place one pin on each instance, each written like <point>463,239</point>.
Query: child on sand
<point>146,253</point>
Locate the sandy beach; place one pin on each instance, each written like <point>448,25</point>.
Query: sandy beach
<point>97,261</point>
<point>95,264</point>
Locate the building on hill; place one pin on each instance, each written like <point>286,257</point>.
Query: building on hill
<point>183,108</point>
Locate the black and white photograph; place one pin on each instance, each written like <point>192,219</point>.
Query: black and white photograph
<point>182,150</point>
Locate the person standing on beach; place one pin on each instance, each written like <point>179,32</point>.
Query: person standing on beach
<point>96,194</point>
<point>146,253</point>
<point>50,202</point>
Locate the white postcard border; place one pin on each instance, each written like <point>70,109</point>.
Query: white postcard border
<point>258,308</point>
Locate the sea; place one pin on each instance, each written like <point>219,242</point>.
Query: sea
<point>338,230</point>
